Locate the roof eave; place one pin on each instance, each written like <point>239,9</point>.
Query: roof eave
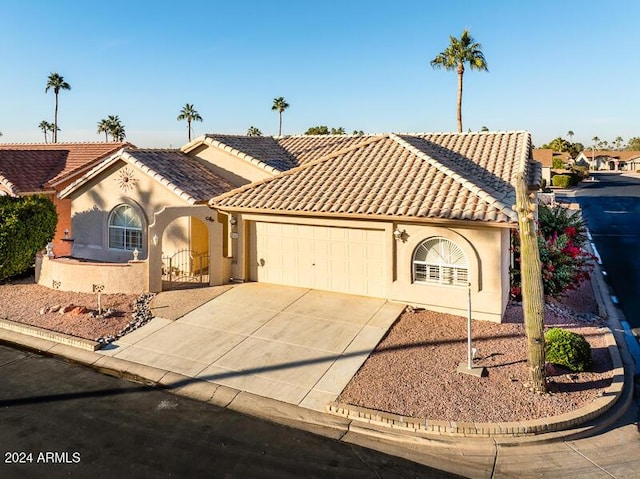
<point>360,216</point>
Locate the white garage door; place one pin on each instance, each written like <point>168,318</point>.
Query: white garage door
<point>346,260</point>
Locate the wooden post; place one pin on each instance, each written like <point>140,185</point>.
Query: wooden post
<point>532,289</point>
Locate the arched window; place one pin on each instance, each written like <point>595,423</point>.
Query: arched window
<point>125,229</point>
<point>440,261</point>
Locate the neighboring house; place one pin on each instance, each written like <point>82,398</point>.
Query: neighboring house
<point>544,156</point>
<point>47,168</point>
<point>612,160</point>
<point>418,218</point>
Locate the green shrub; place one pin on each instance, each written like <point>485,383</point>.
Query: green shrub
<point>557,164</point>
<point>566,348</point>
<point>581,171</point>
<point>27,224</point>
<point>561,181</point>
<point>558,221</point>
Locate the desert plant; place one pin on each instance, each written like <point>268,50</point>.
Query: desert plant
<point>27,224</point>
<point>568,349</point>
<point>558,220</point>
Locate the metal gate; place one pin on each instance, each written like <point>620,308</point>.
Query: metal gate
<point>185,269</point>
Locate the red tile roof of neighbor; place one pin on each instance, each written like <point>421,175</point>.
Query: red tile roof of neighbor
<point>43,165</point>
<point>624,155</point>
<point>544,156</point>
<point>466,176</point>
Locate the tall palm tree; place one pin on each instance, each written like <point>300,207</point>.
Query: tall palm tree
<point>570,135</point>
<point>618,141</point>
<point>46,127</point>
<point>279,105</point>
<point>104,126</point>
<point>190,114</point>
<point>56,83</point>
<point>115,128</point>
<point>253,131</point>
<point>460,52</point>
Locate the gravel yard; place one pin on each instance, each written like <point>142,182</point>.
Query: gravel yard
<point>412,372</point>
<point>22,300</point>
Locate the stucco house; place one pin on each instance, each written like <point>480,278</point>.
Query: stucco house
<point>46,169</point>
<point>407,217</point>
<point>611,160</point>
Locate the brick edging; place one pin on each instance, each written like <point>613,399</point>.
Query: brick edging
<point>424,426</point>
<point>47,334</point>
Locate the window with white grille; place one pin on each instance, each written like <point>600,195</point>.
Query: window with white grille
<point>125,229</point>
<point>440,261</point>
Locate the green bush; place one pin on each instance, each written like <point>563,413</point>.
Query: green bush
<point>556,221</point>
<point>557,164</point>
<point>566,348</point>
<point>561,181</point>
<point>27,224</point>
<point>581,171</point>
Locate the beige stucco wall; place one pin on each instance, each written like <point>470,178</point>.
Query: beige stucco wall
<point>69,275</point>
<point>92,204</point>
<point>486,250</point>
<point>487,263</point>
<point>236,170</point>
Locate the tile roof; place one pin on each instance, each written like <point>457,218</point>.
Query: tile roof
<point>467,176</point>
<point>544,156</point>
<point>28,171</point>
<point>78,156</point>
<point>278,154</point>
<point>187,177</point>
<point>624,155</point>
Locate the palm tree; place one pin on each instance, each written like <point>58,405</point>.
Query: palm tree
<point>570,135</point>
<point>190,114</point>
<point>104,126</point>
<point>618,141</point>
<point>115,128</point>
<point>56,83</point>
<point>253,131</point>
<point>279,105</point>
<point>461,51</point>
<point>45,126</point>
<point>484,129</point>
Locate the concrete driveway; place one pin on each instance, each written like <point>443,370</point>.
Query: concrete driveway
<point>295,345</point>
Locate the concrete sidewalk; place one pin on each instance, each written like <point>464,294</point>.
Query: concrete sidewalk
<point>295,345</point>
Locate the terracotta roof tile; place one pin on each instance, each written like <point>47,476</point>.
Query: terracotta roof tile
<point>186,176</point>
<point>28,171</point>
<point>78,156</point>
<point>443,176</point>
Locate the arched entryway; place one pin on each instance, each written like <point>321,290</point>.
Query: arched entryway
<point>185,254</point>
<point>186,248</point>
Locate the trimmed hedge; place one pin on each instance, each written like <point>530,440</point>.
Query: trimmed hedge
<point>27,224</point>
<point>561,181</point>
<point>568,349</point>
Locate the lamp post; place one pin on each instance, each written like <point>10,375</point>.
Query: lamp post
<point>468,368</point>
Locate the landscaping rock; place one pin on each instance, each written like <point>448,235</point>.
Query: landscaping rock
<point>66,309</point>
<point>79,310</point>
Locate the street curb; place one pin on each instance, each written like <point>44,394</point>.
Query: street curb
<point>49,335</point>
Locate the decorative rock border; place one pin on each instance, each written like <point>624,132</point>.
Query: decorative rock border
<point>429,427</point>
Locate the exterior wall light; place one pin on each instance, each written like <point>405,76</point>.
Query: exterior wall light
<point>399,235</point>
<point>233,221</point>
<point>155,240</point>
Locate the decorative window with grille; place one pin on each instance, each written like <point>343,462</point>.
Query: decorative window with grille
<point>125,229</point>
<point>440,261</point>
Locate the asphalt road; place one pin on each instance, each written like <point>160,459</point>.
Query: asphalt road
<point>611,207</point>
<point>75,422</point>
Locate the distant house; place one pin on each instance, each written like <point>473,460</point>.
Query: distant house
<point>46,169</point>
<point>423,219</point>
<point>611,160</point>
<point>544,156</point>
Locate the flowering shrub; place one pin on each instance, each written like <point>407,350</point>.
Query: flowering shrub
<point>565,263</point>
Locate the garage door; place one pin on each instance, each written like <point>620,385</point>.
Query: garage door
<point>347,260</point>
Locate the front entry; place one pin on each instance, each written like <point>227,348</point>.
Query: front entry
<point>185,269</point>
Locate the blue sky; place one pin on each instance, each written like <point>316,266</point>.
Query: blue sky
<point>554,66</point>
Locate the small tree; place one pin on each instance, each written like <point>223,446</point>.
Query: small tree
<point>27,224</point>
